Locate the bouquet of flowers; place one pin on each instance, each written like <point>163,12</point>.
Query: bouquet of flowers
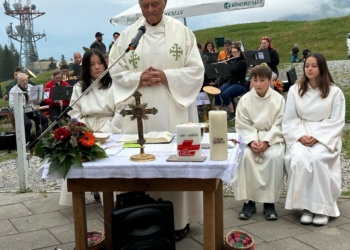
<point>71,144</point>
<point>278,86</point>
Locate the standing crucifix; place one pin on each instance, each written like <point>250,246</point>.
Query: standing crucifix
<point>139,111</point>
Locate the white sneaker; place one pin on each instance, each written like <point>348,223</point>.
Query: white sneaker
<point>307,217</point>
<point>320,220</point>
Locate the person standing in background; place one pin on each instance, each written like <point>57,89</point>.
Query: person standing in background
<point>295,53</point>
<point>98,44</point>
<point>115,37</point>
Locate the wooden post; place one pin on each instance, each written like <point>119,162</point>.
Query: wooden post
<point>20,141</point>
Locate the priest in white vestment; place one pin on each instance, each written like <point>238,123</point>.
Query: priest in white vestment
<point>166,68</point>
<point>259,175</point>
<point>312,127</point>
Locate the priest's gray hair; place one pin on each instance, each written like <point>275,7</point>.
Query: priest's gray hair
<point>162,1</point>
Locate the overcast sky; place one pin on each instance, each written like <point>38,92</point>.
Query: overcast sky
<point>71,24</point>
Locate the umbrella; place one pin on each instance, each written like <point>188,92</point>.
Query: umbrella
<point>187,8</point>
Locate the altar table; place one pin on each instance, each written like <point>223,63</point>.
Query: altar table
<point>118,173</point>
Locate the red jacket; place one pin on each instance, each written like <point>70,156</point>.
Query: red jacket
<point>49,101</point>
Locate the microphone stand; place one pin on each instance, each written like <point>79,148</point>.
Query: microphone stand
<point>69,108</point>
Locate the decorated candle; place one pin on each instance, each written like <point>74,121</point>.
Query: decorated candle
<point>188,141</point>
<point>218,135</point>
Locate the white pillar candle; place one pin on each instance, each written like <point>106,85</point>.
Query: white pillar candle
<point>218,135</point>
<point>189,138</point>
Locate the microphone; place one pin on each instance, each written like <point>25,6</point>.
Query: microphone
<point>135,41</point>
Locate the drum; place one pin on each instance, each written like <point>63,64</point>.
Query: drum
<point>211,91</point>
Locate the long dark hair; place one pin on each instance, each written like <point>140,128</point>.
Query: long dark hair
<point>85,77</point>
<point>241,54</point>
<point>325,79</point>
<point>205,50</point>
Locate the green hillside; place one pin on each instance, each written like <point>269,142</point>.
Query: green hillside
<point>327,36</point>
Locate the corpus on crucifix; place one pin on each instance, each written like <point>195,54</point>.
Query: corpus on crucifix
<point>139,111</point>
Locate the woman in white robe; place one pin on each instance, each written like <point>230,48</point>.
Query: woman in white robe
<point>97,108</point>
<point>312,126</point>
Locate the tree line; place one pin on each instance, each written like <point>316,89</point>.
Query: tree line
<point>9,60</point>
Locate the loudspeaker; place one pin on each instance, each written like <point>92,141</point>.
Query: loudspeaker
<point>141,223</point>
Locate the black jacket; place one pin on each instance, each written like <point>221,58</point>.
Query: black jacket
<point>275,60</point>
<point>238,70</point>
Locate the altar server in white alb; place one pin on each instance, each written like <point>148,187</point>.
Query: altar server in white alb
<point>312,126</point>
<point>166,68</point>
<point>259,174</point>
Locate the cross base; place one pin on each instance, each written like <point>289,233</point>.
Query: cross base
<point>142,157</point>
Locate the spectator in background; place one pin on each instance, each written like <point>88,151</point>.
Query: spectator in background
<point>98,44</point>
<point>209,47</point>
<point>295,53</point>
<point>306,51</point>
<point>226,53</point>
<point>115,37</point>
<point>274,57</point>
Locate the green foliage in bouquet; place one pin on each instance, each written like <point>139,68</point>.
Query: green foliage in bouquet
<point>68,145</point>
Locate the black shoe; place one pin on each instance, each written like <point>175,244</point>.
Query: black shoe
<point>97,196</point>
<point>247,210</point>
<point>270,212</point>
<point>231,116</point>
<point>181,234</point>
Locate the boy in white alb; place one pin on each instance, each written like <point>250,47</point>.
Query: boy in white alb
<point>259,174</point>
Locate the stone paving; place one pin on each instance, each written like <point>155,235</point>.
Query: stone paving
<point>35,221</point>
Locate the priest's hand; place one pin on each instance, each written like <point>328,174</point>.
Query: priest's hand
<point>152,77</point>
<point>308,141</point>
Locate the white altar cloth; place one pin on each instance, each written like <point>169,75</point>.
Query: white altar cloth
<point>122,167</point>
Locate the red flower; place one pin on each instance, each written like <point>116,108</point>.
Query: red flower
<point>62,134</point>
<point>87,139</point>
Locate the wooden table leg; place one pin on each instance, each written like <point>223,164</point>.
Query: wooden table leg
<point>108,206</point>
<point>80,227</point>
<point>209,219</point>
<point>219,217</point>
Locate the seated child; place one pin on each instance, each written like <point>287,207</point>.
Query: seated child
<point>259,174</point>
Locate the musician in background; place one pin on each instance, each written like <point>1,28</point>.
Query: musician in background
<point>236,85</point>
<point>65,72</point>
<point>77,63</point>
<point>30,113</point>
<point>55,107</point>
<point>226,53</point>
<point>274,57</point>
<point>16,71</point>
<point>209,47</point>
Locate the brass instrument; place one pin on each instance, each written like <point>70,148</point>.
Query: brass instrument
<point>30,74</point>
